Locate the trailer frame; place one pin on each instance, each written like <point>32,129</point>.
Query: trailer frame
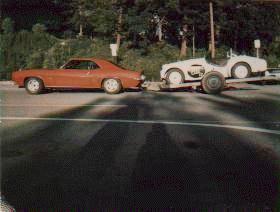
<point>272,74</point>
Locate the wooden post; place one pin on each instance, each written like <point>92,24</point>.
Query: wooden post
<point>81,30</point>
<point>81,25</point>
<point>1,14</point>
<point>184,46</point>
<point>193,40</point>
<point>212,30</point>
<point>183,51</point>
<point>119,27</point>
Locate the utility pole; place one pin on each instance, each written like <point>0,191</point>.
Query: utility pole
<point>212,30</point>
<point>119,27</point>
<point>1,14</point>
<point>81,25</point>
<point>193,42</point>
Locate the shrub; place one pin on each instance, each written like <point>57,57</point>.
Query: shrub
<point>35,60</point>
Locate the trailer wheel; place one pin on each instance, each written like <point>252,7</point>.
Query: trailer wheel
<point>213,83</point>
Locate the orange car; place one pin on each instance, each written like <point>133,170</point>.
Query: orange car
<point>79,73</point>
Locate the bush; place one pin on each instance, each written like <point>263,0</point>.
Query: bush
<point>66,49</point>
<point>273,61</point>
<point>39,49</point>
<point>273,58</point>
<point>150,60</point>
<point>35,60</point>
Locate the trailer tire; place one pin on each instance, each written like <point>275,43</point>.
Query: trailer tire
<point>213,83</point>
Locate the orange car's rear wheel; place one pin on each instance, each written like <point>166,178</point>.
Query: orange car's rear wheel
<point>34,85</point>
<point>112,86</point>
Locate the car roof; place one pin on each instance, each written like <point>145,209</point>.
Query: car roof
<point>88,58</point>
<point>96,60</point>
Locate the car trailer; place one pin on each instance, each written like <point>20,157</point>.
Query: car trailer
<point>213,82</point>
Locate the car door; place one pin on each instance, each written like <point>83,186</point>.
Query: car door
<point>76,74</point>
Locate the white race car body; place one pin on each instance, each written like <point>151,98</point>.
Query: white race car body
<point>195,69</point>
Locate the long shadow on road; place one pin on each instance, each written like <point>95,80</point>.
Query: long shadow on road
<point>175,166</point>
<point>205,172</point>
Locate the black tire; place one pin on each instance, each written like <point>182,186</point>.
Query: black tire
<point>115,88</point>
<point>213,83</point>
<point>173,70</point>
<point>234,70</point>
<point>34,85</point>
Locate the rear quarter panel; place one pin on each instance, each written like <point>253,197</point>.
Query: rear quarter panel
<point>129,79</point>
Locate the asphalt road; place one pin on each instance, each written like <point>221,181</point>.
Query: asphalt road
<point>141,149</point>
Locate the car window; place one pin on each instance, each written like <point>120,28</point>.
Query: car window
<point>81,65</point>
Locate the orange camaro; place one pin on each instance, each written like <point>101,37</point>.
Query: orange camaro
<point>79,73</point>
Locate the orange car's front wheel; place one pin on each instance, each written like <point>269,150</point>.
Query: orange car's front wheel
<point>112,86</point>
<point>34,85</point>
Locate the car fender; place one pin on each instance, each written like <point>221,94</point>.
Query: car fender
<point>256,64</point>
<point>184,66</point>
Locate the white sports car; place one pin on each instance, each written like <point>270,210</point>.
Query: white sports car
<point>238,67</point>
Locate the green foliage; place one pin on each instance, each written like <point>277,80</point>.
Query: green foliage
<point>237,24</point>
<point>151,62</point>
<point>273,61</point>
<point>58,54</point>
<point>103,22</point>
<point>39,28</point>
<point>24,48</point>
<point>8,26</point>
<point>35,60</point>
<point>273,58</point>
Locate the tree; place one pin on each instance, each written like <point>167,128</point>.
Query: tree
<point>39,28</point>
<point>81,10</point>
<point>6,45</point>
<point>184,34</point>
<point>8,26</point>
<point>262,22</point>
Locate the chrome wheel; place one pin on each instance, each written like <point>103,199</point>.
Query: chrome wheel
<point>112,86</point>
<point>33,85</point>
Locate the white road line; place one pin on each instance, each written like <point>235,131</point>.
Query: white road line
<point>64,105</point>
<point>253,129</point>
